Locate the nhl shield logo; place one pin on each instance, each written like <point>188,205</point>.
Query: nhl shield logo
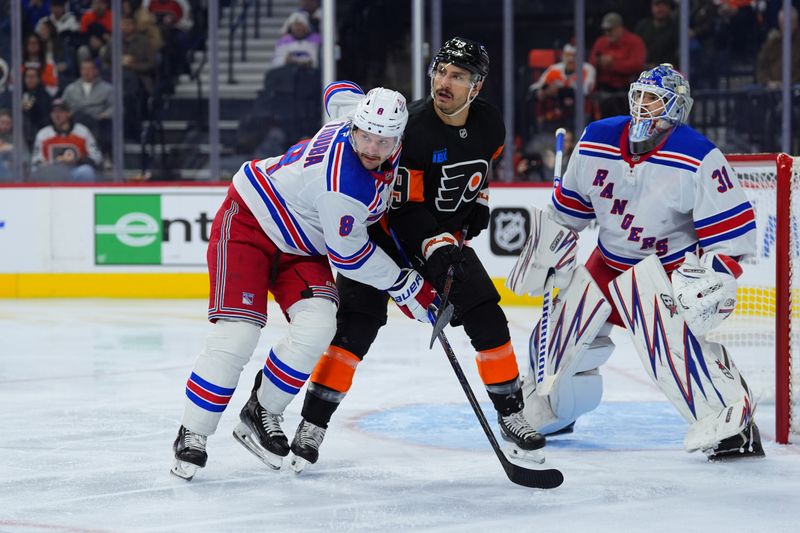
<point>509,228</point>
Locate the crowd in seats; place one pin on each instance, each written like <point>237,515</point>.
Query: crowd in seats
<point>67,57</point>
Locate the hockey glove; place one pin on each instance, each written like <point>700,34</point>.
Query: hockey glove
<point>705,296</point>
<point>441,260</point>
<point>479,218</point>
<point>551,247</point>
<point>414,296</point>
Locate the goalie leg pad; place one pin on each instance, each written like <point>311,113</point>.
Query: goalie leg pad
<point>229,346</point>
<point>697,377</point>
<point>565,383</point>
<point>291,360</point>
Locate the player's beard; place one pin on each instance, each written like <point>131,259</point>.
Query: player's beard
<point>448,105</point>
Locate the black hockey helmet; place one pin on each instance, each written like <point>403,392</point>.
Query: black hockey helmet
<point>464,53</point>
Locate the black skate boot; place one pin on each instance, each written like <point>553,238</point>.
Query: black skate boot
<point>260,432</point>
<point>527,442</point>
<point>305,445</point>
<point>190,453</point>
<point>744,444</point>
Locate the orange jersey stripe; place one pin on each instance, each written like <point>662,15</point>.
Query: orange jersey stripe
<point>416,186</point>
<point>497,152</point>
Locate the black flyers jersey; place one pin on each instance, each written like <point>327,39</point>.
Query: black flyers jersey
<point>442,170</point>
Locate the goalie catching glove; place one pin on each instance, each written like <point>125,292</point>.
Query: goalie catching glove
<point>550,246</point>
<point>414,296</point>
<point>705,290</point>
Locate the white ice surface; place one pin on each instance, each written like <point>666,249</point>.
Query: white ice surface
<point>92,393</point>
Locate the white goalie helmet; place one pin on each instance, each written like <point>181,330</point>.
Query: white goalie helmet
<point>659,100</point>
<point>382,112</point>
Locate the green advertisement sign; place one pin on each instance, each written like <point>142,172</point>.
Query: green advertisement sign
<point>127,229</point>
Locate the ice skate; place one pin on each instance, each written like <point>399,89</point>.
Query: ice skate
<point>260,432</point>
<point>526,442</point>
<point>305,445</point>
<point>190,454</point>
<point>742,445</point>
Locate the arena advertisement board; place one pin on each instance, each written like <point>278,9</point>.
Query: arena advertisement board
<point>170,228</point>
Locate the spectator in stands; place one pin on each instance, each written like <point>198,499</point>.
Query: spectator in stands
<point>32,11</point>
<point>62,18</point>
<point>314,12</point>
<point>90,98</point>
<point>174,19</point>
<point>5,93</point>
<point>555,90</point>
<point>6,145</point>
<point>660,34</point>
<point>138,75</point>
<point>145,24</point>
<point>769,70</point>
<point>56,51</point>
<point>99,13</point>
<point>35,56</point>
<point>299,45</point>
<point>618,56</point>
<point>65,150</point>
<point>36,104</point>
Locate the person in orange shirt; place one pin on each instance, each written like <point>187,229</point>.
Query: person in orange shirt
<point>99,13</point>
<point>554,90</point>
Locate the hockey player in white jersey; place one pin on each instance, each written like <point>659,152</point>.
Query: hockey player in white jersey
<point>283,220</point>
<point>673,225</point>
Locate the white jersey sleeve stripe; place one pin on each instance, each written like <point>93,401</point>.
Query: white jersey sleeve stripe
<point>290,229</point>
<point>354,261</point>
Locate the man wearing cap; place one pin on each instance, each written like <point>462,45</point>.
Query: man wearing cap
<point>618,54</point>
<point>660,34</point>
<point>64,150</point>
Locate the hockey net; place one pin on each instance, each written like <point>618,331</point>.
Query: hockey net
<point>762,334</point>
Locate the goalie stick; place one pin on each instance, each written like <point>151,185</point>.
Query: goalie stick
<point>526,477</point>
<point>551,274</point>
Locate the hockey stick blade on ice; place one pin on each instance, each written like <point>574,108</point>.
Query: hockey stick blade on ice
<point>527,477</point>
<point>446,309</point>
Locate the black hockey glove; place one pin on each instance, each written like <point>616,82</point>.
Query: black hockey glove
<point>478,220</point>
<point>439,262</point>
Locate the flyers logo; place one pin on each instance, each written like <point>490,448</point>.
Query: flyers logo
<point>460,184</point>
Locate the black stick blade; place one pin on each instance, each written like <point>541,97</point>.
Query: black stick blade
<point>536,479</point>
<point>442,319</point>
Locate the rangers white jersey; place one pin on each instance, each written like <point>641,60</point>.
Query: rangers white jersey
<point>683,196</point>
<point>318,199</point>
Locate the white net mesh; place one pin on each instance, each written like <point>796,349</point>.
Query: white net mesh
<point>750,334</point>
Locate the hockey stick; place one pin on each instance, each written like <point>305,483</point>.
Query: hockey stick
<point>551,273</point>
<point>445,309</point>
<point>527,477</point>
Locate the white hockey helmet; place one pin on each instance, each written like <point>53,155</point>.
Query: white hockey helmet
<point>382,112</point>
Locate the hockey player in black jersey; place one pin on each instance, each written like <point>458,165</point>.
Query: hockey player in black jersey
<point>451,140</point>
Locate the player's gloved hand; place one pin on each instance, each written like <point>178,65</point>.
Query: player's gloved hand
<point>441,260</point>
<point>478,220</point>
<point>705,296</point>
<point>414,296</point>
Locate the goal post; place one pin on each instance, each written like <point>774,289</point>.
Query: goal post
<point>760,333</point>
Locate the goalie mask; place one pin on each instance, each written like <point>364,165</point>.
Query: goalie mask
<point>377,127</point>
<point>659,101</point>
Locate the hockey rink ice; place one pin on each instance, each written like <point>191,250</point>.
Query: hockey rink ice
<point>92,393</point>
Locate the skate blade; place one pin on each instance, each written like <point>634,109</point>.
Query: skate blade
<point>528,456</point>
<point>298,464</point>
<point>245,437</point>
<point>184,470</point>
